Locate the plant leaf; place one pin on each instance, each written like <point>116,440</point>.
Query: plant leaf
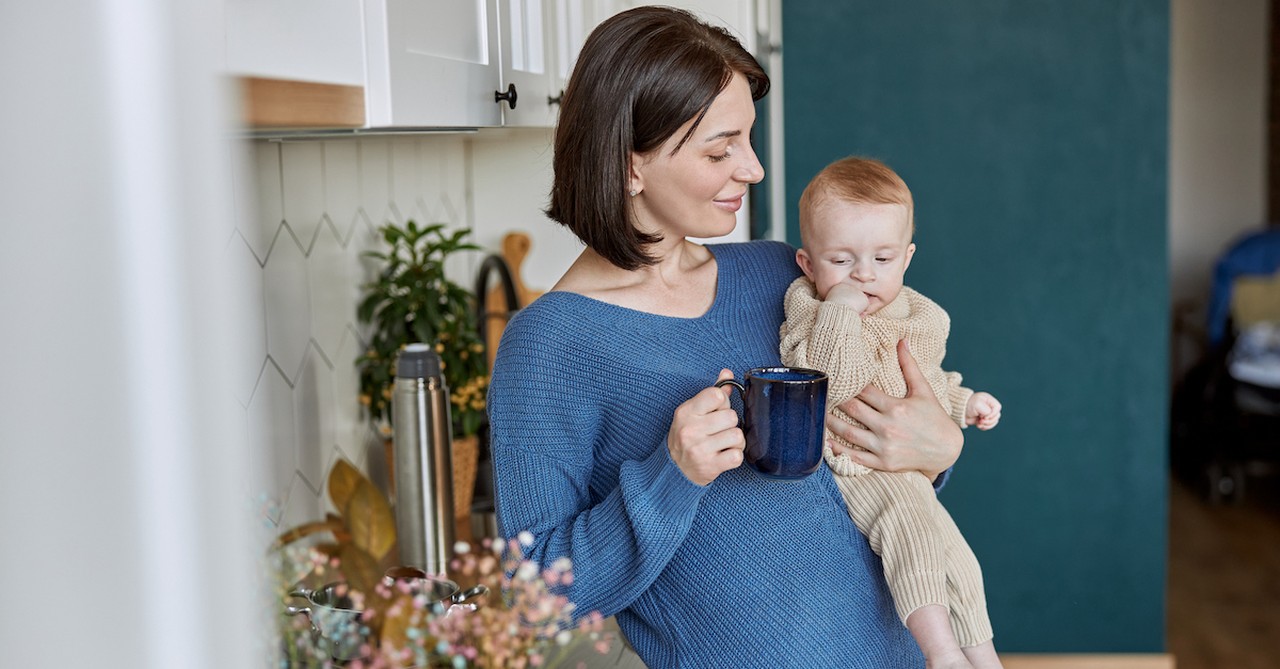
<point>400,616</point>
<point>373,528</point>
<point>360,569</point>
<point>343,479</point>
<point>307,529</point>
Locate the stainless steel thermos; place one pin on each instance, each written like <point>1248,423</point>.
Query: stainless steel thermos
<point>422,441</point>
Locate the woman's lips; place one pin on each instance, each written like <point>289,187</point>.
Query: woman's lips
<point>731,204</point>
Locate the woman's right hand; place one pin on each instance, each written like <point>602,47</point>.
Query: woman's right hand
<point>912,433</point>
<point>705,440</point>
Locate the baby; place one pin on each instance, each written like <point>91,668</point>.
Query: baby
<point>845,317</point>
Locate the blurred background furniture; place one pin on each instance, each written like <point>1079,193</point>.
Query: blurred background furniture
<point>1225,423</point>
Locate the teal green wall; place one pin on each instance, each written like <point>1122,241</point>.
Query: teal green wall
<point>1034,137</point>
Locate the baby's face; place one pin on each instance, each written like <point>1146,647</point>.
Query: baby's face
<point>866,246</point>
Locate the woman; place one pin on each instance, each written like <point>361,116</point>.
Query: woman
<point>611,445</point>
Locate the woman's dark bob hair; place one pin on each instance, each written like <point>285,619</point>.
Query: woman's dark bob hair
<point>640,76</point>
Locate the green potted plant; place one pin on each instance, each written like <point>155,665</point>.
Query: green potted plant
<point>411,300</point>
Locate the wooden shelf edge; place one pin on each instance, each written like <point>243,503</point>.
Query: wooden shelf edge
<point>284,104</point>
<point>1088,661</point>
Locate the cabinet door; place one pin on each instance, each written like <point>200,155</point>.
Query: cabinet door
<point>299,40</point>
<point>527,62</point>
<point>432,64</point>
<point>573,22</point>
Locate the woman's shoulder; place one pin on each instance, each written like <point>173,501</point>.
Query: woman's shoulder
<point>553,316</point>
<point>760,265</point>
<point>759,251</point>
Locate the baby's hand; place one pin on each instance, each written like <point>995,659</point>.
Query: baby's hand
<point>982,410</point>
<point>849,295</point>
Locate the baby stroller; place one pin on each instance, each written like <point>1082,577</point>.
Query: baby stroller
<point>1226,411</point>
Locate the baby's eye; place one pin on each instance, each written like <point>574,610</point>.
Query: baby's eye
<point>840,261</point>
<point>883,259</point>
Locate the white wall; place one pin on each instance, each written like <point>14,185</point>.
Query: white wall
<point>125,500</point>
<point>1217,133</point>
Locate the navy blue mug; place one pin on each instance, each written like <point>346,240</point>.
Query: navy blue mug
<point>784,413</point>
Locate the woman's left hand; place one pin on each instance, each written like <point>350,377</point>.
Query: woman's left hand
<point>913,433</point>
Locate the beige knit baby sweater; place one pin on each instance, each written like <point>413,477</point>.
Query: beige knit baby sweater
<point>854,351</point>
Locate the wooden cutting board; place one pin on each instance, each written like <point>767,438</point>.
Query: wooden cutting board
<point>515,248</point>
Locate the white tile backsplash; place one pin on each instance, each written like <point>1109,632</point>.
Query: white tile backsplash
<point>288,304</point>
<point>316,206</point>
<point>265,189</point>
<point>302,177</point>
<point>341,162</point>
<point>351,431</point>
<point>375,178</point>
<point>245,274</point>
<point>271,413</point>
<point>313,415</point>
<point>335,276</point>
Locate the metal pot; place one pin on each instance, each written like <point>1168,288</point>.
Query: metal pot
<point>337,623</point>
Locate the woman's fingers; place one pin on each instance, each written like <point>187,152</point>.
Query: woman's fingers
<point>916,383</point>
<point>872,397</point>
<point>854,434</point>
<point>704,439</point>
<point>868,408</point>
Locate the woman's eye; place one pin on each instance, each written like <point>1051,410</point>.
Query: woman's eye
<point>719,157</point>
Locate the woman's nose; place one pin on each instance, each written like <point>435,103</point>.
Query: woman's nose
<point>750,170</point>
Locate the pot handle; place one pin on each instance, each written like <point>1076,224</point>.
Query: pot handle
<point>471,593</point>
<point>304,593</point>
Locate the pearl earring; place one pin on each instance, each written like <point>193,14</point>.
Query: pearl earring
<point>632,192</point>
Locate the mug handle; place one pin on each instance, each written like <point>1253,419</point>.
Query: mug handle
<point>732,382</point>
<point>741,389</point>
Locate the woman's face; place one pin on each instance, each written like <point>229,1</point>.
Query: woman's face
<point>697,191</point>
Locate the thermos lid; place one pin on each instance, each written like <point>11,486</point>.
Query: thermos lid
<point>418,361</point>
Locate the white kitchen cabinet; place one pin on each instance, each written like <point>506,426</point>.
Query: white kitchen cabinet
<point>528,62</point>
<point>300,63</point>
<point>409,64</point>
<point>573,21</point>
<point>432,64</point>
<point>540,41</point>
<point>296,40</point>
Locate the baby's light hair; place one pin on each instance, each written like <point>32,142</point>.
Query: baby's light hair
<point>856,180</point>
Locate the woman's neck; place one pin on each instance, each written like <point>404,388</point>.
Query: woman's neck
<point>681,283</point>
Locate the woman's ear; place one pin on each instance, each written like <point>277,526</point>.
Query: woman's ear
<point>635,175</point>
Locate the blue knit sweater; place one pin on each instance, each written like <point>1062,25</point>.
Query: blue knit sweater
<point>744,572</point>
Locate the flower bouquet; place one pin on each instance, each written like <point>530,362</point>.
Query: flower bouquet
<point>364,613</point>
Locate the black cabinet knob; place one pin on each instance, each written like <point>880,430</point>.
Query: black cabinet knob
<point>509,96</point>
<point>555,100</point>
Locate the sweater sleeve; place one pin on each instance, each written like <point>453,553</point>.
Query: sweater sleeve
<point>957,397</point>
<point>545,409</point>
<point>826,337</point>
